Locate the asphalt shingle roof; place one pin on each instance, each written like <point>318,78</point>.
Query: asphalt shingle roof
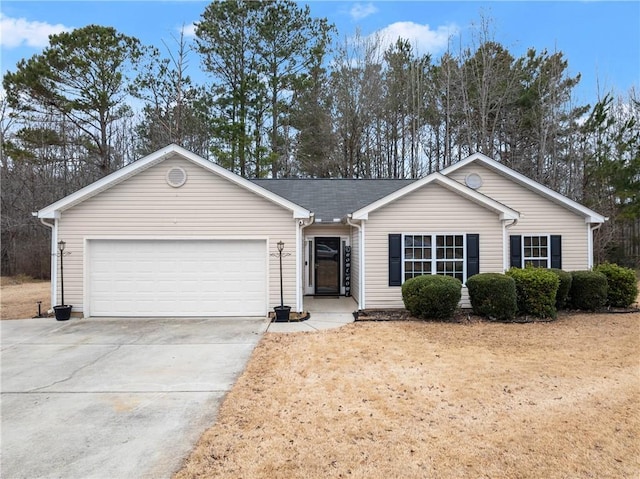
<point>331,198</point>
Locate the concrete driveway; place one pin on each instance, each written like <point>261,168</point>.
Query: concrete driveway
<point>114,398</point>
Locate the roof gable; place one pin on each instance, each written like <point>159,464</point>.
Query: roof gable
<point>504,211</point>
<point>589,215</point>
<point>117,177</point>
<point>332,199</point>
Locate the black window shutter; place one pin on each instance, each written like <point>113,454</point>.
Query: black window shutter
<point>556,251</point>
<point>473,254</point>
<point>516,251</point>
<point>395,260</point>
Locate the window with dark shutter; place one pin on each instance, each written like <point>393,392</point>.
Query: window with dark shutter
<point>395,260</point>
<point>473,254</point>
<point>516,251</point>
<point>556,251</point>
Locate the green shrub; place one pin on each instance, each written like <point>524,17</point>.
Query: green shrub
<point>493,295</point>
<point>536,290</point>
<point>623,285</point>
<point>563,288</point>
<point>588,290</point>
<point>432,296</point>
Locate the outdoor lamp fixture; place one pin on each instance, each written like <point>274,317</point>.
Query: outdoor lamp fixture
<point>280,246</point>
<point>282,311</point>
<point>61,246</point>
<point>63,311</point>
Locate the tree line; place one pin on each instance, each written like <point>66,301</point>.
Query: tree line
<point>285,96</point>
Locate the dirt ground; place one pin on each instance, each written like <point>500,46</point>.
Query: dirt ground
<point>437,400</point>
<point>18,297</point>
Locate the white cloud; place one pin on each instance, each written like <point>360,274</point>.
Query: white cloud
<point>188,30</point>
<point>421,37</point>
<point>360,10</point>
<point>17,32</point>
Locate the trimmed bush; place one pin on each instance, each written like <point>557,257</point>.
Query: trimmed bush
<point>536,290</point>
<point>588,290</point>
<point>623,285</point>
<point>563,288</point>
<point>493,295</point>
<point>432,296</point>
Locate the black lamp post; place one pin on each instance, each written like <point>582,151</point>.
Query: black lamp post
<point>282,311</point>
<point>280,246</point>
<point>63,311</point>
<point>61,246</point>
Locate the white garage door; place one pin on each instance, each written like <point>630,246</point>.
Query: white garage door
<point>177,278</point>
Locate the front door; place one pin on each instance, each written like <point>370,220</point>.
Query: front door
<point>327,265</point>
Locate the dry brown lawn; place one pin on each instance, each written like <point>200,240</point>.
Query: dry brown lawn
<point>434,400</point>
<point>18,296</point>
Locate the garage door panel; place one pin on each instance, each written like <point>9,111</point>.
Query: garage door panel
<point>177,278</point>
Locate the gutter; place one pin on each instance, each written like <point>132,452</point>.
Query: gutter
<point>302,224</point>
<point>505,246</point>
<point>361,285</point>
<point>591,229</point>
<point>54,261</point>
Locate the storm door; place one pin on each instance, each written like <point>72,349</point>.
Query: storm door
<point>327,265</point>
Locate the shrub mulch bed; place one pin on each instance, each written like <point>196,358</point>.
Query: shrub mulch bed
<point>467,316</point>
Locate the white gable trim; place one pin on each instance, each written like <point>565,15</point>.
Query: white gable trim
<point>505,212</point>
<point>589,215</point>
<point>53,210</point>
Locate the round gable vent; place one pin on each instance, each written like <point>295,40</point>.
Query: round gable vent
<point>176,177</point>
<point>473,181</point>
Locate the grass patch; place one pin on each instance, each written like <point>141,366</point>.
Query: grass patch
<point>439,400</point>
<point>19,295</point>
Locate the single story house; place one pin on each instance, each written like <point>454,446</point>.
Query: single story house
<point>173,234</point>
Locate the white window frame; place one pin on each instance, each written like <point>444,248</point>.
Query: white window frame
<point>547,258</point>
<point>434,261</point>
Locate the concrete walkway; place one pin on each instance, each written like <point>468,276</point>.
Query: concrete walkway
<point>325,313</point>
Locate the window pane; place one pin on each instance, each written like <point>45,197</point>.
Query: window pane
<point>536,251</point>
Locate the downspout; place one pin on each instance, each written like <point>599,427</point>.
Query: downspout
<point>302,224</point>
<point>361,285</point>
<point>505,245</point>
<point>590,231</point>
<point>54,258</point>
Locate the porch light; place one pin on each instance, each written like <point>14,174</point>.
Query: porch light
<point>61,246</point>
<point>280,246</point>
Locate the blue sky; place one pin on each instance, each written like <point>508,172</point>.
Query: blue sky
<point>600,39</point>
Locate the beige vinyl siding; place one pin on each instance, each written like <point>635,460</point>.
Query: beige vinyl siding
<point>432,209</point>
<point>355,264</point>
<point>324,230</point>
<point>207,206</point>
<point>539,215</point>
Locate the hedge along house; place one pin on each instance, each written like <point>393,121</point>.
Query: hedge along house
<point>176,235</point>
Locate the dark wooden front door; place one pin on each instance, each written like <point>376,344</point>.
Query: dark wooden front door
<point>327,265</point>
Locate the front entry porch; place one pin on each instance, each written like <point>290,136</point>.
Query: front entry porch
<point>327,263</point>
<point>330,304</point>
<point>325,312</point>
